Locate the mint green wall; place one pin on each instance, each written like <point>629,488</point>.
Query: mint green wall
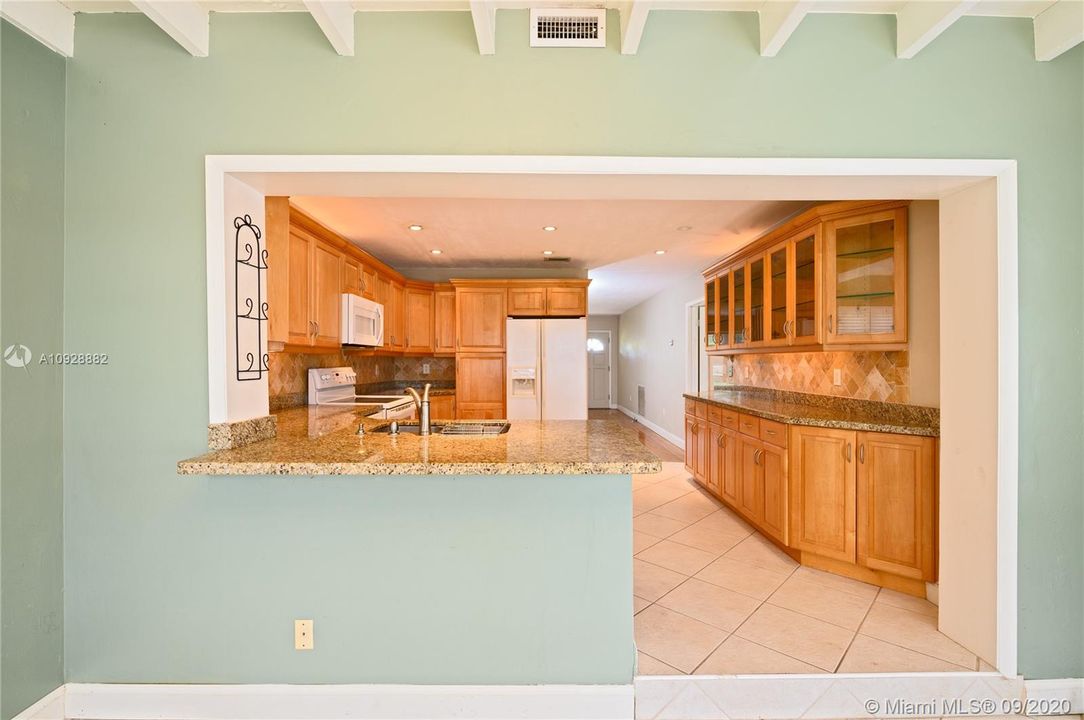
<point>31,300</point>
<point>201,574</point>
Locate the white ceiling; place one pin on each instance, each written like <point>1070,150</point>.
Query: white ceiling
<point>613,239</point>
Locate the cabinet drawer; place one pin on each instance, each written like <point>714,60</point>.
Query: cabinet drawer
<point>701,410</point>
<point>690,406</point>
<point>728,418</point>
<point>715,414</point>
<point>749,425</point>
<point>773,432</point>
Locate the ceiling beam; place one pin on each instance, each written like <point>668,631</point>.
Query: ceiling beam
<point>633,19</point>
<point>1059,28</point>
<point>919,22</point>
<point>484,14</point>
<point>183,20</point>
<point>336,19</point>
<point>47,21</point>
<point>778,19</point>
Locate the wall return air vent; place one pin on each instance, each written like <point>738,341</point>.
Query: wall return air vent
<point>568,27</point>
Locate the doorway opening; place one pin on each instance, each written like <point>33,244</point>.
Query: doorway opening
<point>599,369</point>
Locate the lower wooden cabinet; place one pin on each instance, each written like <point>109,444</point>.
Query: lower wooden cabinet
<point>822,485</point>
<point>750,482</point>
<point>479,386</point>
<point>697,438</point>
<point>442,407</point>
<point>773,470</point>
<point>728,467</point>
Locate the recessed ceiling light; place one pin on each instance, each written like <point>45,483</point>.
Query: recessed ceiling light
<point>415,228</point>
<point>660,252</point>
<point>547,252</point>
<point>550,228</point>
<point>684,228</point>
<point>434,251</point>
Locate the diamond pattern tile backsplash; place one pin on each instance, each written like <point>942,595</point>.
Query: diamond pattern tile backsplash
<point>289,372</point>
<point>880,376</point>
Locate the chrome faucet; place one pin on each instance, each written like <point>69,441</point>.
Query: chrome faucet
<point>422,401</point>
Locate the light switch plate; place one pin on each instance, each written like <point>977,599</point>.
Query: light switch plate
<point>303,639</point>
<point>425,368</point>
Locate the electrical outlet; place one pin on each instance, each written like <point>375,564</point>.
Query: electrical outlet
<point>303,638</point>
<point>837,376</point>
<point>730,369</point>
<point>425,368</point>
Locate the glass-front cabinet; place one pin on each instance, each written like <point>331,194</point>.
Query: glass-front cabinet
<point>722,324</point>
<point>711,312</point>
<point>866,270</point>
<point>778,292</point>
<point>757,313</point>
<point>805,249</point>
<point>737,313</point>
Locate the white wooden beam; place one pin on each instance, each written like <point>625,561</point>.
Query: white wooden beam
<point>633,19</point>
<point>1059,28</point>
<point>47,21</point>
<point>186,21</point>
<point>919,22</point>
<point>484,15</point>
<point>778,19</point>
<point>336,19</point>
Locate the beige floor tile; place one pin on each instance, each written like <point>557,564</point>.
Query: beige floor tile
<point>639,604</point>
<point>647,665</point>
<point>711,604</point>
<point>907,602</point>
<point>985,666</point>
<point>688,508</point>
<point>710,535</point>
<point>821,602</point>
<point>728,520</point>
<point>870,655</point>
<point>755,550</point>
<point>799,636</point>
<point>741,577</point>
<point>642,541</point>
<point>655,496</point>
<point>737,656</point>
<point>679,558</point>
<point>838,582</point>
<point>651,582</point>
<point>656,525</point>
<point>675,639</point>
<point>683,481</point>
<point>642,481</point>
<point>915,632</point>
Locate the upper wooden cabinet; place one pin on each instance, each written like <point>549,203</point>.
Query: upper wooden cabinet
<point>547,298</point>
<point>480,318</point>
<point>419,319</point>
<point>352,280</point>
<point>368,282</point>
<point>527,301</point>
<point>444,321</point>
<point>835,276</point>
<point>566,301</point>
<point>304,282</point>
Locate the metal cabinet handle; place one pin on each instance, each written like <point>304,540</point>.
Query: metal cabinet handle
<point>830,323</point>
<point>722,441</point>
<point>862,453</point>
<point>757,456</point>
<point>847,453</point>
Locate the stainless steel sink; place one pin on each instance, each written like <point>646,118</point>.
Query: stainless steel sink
<point>471,429</point>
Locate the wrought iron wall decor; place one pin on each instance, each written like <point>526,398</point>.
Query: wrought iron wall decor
<point>251,265</point>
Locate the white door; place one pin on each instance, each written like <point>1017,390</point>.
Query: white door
<point>598,369</point>
<point>564,369</point>
<point>523,396</point>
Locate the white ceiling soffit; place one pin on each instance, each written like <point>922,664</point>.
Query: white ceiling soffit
<point>47,21</point>
<point>1059,24</point>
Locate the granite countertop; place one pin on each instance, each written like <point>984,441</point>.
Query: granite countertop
<point>324,441</point>
<point>825,411</point>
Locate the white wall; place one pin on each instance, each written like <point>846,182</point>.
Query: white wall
<point>923,303</point>
<point>653,354</point>
<point>613,324</point>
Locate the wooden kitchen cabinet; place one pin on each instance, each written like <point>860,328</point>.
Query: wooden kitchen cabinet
<point>566,301</point>
<point>711,313</point>
<point>442,407</point>
<point>896,497</point>
<point>728,482</point>
<point>822,487</point>
<point>526,301</point>
<point>299,288</point>
<point>479,386</point>
<point>313,281</point>
<point>352,280</point>
<point>368,282</point>
<point>773,469</point>
<point>750,480</point>
<point>444,320</point>
<point>696,448</point>
<point>480,319</point>
<point>419,320</point>
<point>326,295</point>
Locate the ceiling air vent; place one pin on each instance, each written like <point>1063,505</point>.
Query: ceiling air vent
<point>551,258</point>
<point>568,27</point>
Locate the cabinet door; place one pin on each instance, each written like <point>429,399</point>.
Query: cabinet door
<point>738,317</point>
<point>756,300</point>
<point>751,479</point>
<point>822,492</point>
<point>351,276</point>
<point>866,264</point>
<point>299,327</point>
<point>566,301</point>
<point>479,385</point>
<point>368,282</point>
<point>444,324</point>
<point>773,464</point>
<point>777,293</point>
<point>690,444</point>
<point>729,489</point>
<point>419,320</point>
<point>480,319</point>
<point>526,301</point>
<point>442,407</point>
<point>805,292</point>
<point>722,323</point>
<point>326,295</point>
<point>711,310</point>
<point>896,504</point>
<point>703,452</point>
<point>394,317</point>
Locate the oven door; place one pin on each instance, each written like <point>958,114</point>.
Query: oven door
<point>362,321</point>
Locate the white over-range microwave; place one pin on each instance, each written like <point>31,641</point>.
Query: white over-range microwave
<point>362,321</point>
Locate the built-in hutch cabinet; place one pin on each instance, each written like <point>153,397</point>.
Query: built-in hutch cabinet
<point>835,276</point>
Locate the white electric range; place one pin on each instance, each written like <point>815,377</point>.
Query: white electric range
<point>336,387</point>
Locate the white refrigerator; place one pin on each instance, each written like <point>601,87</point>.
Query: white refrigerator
<point>546,369</point>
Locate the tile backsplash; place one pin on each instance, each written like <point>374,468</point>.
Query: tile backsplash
<point>289,373</point>
<point>873,375</point>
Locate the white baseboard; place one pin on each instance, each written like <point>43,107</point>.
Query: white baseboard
<point>1071,689</point>
<point>327,702</point>
<point>679,441</point>
<point>50,707</point>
